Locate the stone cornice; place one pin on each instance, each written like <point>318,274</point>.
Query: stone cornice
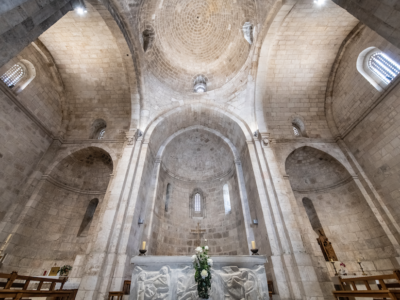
<point>56,183</point>
<point>319,190</point>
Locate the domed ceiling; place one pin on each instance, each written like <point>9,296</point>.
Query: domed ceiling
<point>193,37</point>
<point>197,155</point>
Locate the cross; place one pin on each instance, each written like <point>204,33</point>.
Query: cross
<point>199,231</point>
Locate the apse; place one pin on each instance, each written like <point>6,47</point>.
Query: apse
<point>195,167</point>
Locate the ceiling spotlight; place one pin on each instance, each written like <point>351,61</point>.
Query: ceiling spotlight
<point>200,84</point>
<point>319,2</point>
<point>81,10</point>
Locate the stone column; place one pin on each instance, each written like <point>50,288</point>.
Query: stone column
<point>99,262</point>
<point>245,205</point>
<point>293,268</point>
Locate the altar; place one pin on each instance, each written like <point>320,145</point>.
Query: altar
<point>172,278</point>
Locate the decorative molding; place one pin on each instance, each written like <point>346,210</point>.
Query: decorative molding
<point>93,141</point>
<point>319,190</point>
<point>56,183</point>
<point>303,140</point>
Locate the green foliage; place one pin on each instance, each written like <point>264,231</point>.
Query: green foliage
<point>200,264</point>
<point>65,269</point>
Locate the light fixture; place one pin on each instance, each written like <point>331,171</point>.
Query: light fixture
<point>200,84</point>
<point>319,2</point>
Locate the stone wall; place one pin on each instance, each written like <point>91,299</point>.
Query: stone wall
<point>94,71</point>
<point>224,232</point>
<point>23,143</point>
<point>49,233</point>
<point>371,135</point>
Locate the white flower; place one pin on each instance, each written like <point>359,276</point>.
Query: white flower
<point>206,247</point>
<point>204,274</point>
<point>210,262</point>
<point>199,250</point>
<point>194,258</point>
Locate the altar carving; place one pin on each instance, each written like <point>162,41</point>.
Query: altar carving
<point>326,246</point>
<point>153,285</point>
<point>172,277</point>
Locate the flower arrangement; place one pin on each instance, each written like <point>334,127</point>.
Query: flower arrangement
<point>64,270</point>
<point>343,270</point>
<point>202,264</point>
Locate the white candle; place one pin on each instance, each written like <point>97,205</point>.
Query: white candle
<point>144,246</point>
<point>253,245</point>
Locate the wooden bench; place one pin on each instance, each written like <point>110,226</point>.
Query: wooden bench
<point>349,287</point>
<point>17,290</point>
<point>126,290</point>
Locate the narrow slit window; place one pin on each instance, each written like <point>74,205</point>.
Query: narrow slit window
<point>197,204</point>
<point>296,131</point>
<point>167,196</point>
<point>101,134</point>
<point>383,67</point>
<point>13,75</point>
<point>227,200</point>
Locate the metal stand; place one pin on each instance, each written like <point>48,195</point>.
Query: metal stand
<point>359,262</point>
<point>333,264</point>
<point>255,251</point>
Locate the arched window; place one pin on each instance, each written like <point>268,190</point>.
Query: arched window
<point>377,68</point>
<point>98,129</point>
<point>383,66</point>
<point>227,200</point>
<point>299,129</point>
<point>19,75</point>
<point>167,196</point>
<point>88,217</point>
<point>197,203</point>
<point>13,75</point>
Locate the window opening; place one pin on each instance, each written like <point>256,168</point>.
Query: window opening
<point>296,131</point>
<point>227,200</point>
<point>13,75</point>
<point>383,66</point>
<point>197,204</point>
<point>101,134</point>
<point>167,196</point>
<point>88,217</point>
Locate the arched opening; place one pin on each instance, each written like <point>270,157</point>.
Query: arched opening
<point>336,215</point>
<point>65,213</point>
<point>197,161</point>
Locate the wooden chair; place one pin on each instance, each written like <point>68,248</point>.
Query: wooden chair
<point>127,287</point>
<point>349,288</point>
<point>271,288</point>
<point>119,295</point>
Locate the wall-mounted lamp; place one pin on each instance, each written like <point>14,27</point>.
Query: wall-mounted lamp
<point>81,8</point>
<point>255,222</point>
<point>141,221</point>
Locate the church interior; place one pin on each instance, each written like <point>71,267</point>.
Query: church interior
<point>134,131</point>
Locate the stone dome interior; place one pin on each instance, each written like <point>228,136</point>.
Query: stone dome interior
<point>196,37</point>
<point>197,155</point>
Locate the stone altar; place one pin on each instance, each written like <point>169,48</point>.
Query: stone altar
<point>172,278</point>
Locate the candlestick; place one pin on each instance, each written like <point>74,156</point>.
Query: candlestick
<point>144,246</point>
<point>333,264</point>
<point>362,270</point>
<point>253,245</point>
